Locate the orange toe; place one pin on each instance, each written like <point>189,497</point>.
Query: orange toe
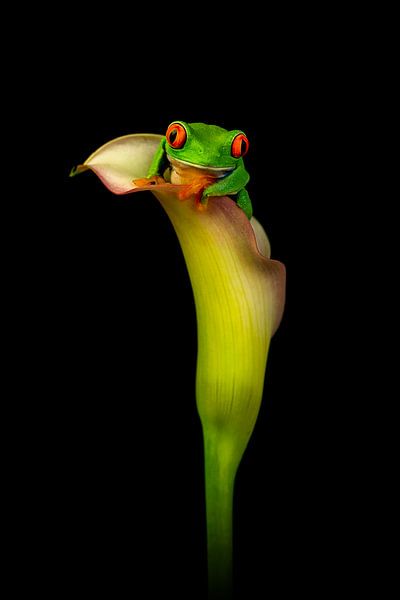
<point>143,181</point>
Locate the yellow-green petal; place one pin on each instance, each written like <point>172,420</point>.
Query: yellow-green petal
<point>239,296</point>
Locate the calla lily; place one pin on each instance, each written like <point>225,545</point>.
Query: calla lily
<point>239,297</point>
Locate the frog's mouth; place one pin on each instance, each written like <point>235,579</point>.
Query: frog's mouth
<point>205,169</point>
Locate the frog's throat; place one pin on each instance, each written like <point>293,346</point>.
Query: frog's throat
<point>216,171</point>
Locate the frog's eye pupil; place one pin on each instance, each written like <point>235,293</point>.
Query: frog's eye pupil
<point>240,145</point>
<point>176,135</point>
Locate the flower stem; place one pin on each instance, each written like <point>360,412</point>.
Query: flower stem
<point>220,471</point>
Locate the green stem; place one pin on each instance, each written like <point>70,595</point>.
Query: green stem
<point>220,471</point>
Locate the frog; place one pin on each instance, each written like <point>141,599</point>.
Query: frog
<point>208,159</point>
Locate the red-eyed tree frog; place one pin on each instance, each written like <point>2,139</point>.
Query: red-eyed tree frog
<point>207,158</point>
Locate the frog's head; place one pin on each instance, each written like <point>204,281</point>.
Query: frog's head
<point>206,146</point>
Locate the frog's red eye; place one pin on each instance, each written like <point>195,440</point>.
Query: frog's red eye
<point>240,145</point>
<point>176,135</point>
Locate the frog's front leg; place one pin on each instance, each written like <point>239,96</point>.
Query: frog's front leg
<point>156,168</point>
<point>232,184</point>
<point>159,160</point>
<point>229,184</point>
<point>243,201</point>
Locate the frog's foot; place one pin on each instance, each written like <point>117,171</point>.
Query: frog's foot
<point>144,181</point>
<point>196,189</point>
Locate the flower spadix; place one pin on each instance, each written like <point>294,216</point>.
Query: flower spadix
<point>239,297</point>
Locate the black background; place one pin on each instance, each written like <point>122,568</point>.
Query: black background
<point>114,465</point>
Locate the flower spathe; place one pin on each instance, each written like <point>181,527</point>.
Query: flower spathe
<point>239,298</point>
